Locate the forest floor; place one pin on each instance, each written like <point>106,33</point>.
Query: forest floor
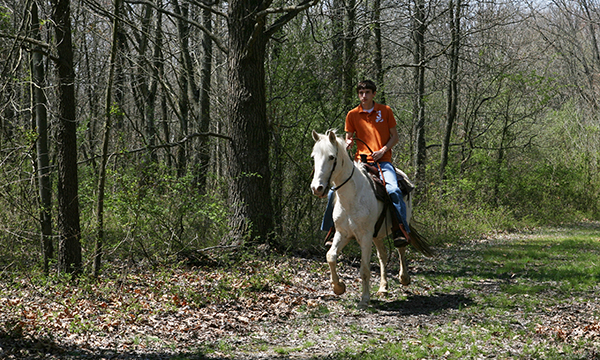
<point>527,295</point>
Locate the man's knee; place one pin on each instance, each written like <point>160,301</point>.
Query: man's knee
<point>393,190</point>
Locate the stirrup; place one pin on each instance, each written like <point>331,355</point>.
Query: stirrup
<point>399,239</point>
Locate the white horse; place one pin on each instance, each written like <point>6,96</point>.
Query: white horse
<point>355,213</point>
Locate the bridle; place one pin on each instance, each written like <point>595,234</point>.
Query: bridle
<point>336,188</point>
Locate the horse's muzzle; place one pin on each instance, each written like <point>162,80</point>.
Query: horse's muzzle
<point>318,190</point>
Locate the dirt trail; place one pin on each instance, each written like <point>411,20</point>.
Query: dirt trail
<point>292,318</point>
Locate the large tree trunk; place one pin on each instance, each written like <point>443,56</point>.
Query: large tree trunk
<point>40,116</point>
<point>420,154</point>
<point>250,185</point>
<point>452,97</point>
<point>69,246</point>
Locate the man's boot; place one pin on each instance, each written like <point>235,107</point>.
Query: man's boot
<point>401,238</point>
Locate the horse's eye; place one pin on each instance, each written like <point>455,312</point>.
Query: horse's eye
<point>331,157</point>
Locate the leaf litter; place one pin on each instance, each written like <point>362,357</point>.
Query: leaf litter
<point>273,308</point>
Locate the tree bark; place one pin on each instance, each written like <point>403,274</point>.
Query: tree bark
<point>69,246</point>
<point>40,116</point>
<point>250,188</point>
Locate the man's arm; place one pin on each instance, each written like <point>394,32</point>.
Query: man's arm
<point>394,138</point>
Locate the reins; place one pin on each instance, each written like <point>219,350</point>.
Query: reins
<point>376,162</point>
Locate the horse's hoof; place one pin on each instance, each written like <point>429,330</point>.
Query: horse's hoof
<point>363,305</point>
<point>405,280</point>
<point>339,289</point>
<point>382,293</point>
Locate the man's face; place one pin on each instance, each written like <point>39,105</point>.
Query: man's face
<point>366,96</point>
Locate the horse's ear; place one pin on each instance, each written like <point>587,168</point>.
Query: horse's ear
<point>315,135</point>
<point>332,137</point>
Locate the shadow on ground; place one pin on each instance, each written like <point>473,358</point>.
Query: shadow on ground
<point>15,346</point>
<point>422,304</point>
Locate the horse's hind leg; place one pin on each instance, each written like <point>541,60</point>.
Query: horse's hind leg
<point>383,259</point>
<point>403,275</point>
<point>339,241</point>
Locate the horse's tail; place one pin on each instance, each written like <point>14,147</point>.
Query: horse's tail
<point>419,241</point>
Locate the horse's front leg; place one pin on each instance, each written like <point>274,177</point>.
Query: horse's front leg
<point>382,255</point>
<point>339,241</point>
<point>403,275</point>
<point>366,244</point>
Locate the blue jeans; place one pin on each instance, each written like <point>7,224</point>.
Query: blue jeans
<point>391,185</point>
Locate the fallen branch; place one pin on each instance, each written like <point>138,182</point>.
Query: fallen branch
<point>218,247</point>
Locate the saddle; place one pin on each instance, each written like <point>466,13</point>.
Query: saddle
<point>405,185</point>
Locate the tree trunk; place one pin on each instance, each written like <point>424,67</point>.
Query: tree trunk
<point>205,87</point>
<point>141,82</point>
<point>420,154</point>
<point>378,51</point>
<point>452,99</point>
<point>40,116</point>
<point>188,98</point>
<point>119,82</point>
<point>250,185</point>
<point>248,150</point>
<point>157,63</point>
<point>105,140</point>
<point>337,42</point>
<point>349,65</point>
<point>69,246</point>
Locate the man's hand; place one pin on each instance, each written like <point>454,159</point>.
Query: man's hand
<point>349,142</point>
<point>379,153</point>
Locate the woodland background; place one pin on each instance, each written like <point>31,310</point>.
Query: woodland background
<point>148,130</point>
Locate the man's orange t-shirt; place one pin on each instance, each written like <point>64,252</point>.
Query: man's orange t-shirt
<point>372,128</point>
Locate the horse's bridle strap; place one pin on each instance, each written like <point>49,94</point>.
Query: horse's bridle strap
<point>336,188</point>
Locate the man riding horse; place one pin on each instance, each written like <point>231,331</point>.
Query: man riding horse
<point>374,126</point>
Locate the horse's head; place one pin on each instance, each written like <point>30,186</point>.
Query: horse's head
<point>324,154</point>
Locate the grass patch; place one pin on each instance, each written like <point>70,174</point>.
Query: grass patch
<point>526,296</point>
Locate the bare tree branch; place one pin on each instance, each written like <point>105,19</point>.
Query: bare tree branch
<point>289,13</point>
<point>218,41</point>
